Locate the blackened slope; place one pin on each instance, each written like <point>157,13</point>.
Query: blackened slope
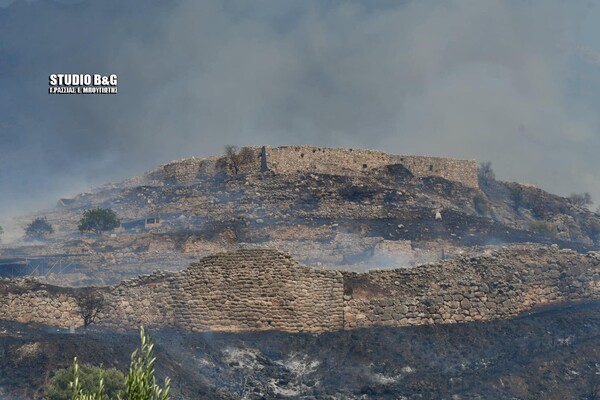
<point>551,353</point>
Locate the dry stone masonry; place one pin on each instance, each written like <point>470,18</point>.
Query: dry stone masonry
<point>289,159</point>
<point>498,285</point>
<point>183,171</point>
<point>463,171</point>
<point>335,161</point>
<point>242,290</point>
<point>28,301</point>
<point>267,290</point>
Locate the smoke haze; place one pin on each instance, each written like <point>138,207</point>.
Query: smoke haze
<point>513,82</point>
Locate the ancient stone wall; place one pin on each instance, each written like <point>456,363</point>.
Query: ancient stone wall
<point>183,171</point>
<point>290,159</point>
<point>335,161</point>
<point>463,171</point>
<point>498,285</point>
<point>242,290</point>
<point>267,290</point>
<point>29,301</point>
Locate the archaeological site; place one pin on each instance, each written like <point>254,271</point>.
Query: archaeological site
<point>232,260</point>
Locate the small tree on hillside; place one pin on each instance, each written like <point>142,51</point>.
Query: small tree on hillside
<point>581,199</point>
<point>236,158</point>
<point>98,220</point>
<point>38,229</point>
<point>485,173</point>
<point>90,304</point>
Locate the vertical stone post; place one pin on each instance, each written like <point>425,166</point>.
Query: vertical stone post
<point>263,159</point>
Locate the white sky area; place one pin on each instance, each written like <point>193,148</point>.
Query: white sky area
<point>512,82</point>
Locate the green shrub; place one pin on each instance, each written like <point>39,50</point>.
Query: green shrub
<point>543,228</point>
<point>88,375</point>
<point>481,204</point>
<point>139,384</point>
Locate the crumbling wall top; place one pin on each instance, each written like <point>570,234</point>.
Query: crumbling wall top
<point>324,160</point>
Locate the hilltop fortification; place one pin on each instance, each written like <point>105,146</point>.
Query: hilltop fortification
<point>291,159</point>
<point>334,161</point>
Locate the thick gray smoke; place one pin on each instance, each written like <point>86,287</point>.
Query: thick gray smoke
<point>513,82</point>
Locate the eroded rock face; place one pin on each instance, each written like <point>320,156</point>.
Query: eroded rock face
<point>267,290</point>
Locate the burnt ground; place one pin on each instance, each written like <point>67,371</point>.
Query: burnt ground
<point>338,218</point>
<point>551,353</point>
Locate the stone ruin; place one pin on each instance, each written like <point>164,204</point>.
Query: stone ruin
<point>335,161</point>
<point>250,290</point>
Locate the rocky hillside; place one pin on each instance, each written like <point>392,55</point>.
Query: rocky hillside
<point>357,210</point>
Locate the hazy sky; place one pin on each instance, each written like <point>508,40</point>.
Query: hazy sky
<point>513,82</point>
